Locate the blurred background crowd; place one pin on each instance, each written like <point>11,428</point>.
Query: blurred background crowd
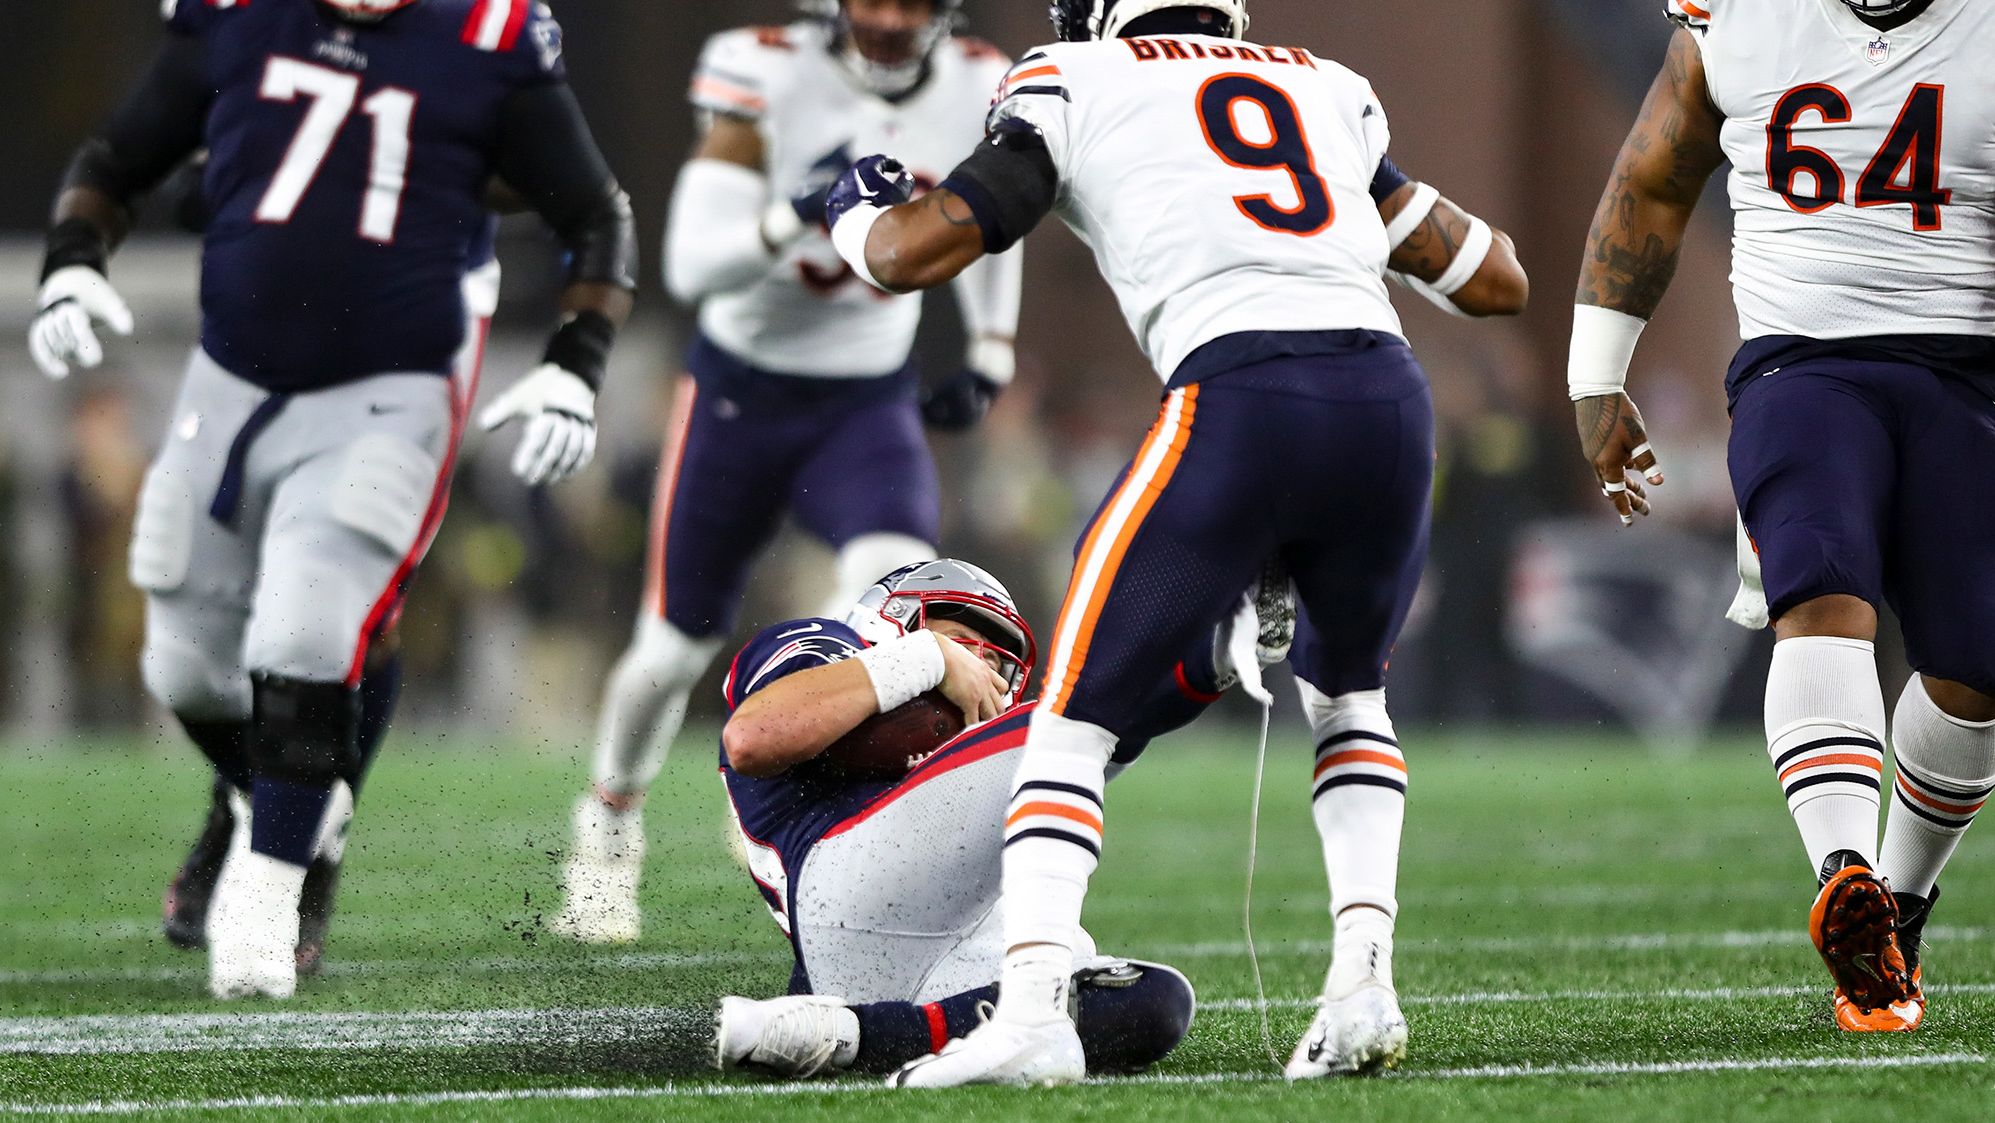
<point>1538,607</point>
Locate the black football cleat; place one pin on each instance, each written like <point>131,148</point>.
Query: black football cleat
<point>315,909</point>
<point>184,908</point>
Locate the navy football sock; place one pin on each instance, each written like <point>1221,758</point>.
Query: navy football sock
<point>380,690</point>
<point>894,1033</point>
<point>226,745</point>
<point>284,818</point>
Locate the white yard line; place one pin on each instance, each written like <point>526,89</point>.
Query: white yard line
<point>718,1091</point>
<point>106,1034</point>
<point>556,963</point>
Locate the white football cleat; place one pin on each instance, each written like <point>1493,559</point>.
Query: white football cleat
<point>1359,1033</point>
<point>1001,1052</point>
<point>797,1036</point>
<point>253,926</point>
<point>599,887</point>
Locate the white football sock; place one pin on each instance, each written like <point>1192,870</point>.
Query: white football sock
<point>1945,772</point>
<point>865,560</point>
<point>1825,736</point>
<point>645,703</point>
<point>1358,797</point>
<point>1052,845</point>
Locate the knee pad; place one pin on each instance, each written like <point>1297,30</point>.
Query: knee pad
<point>1132,1015</point>
<point>194,684</point>
<point>306,619</point>
<point>868,558</point>
<point>668,656</point>
<point>304,731</point>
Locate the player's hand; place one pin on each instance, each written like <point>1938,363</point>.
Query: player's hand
<point>960,402</point>
<point>809,201</point>
<point>1615,442</point>
<point>970,683</point>
<point>74,301</point>
<point>560,414</point>
<point>875,181</point>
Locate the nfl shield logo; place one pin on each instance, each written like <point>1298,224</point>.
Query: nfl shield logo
<point>1877,51</point>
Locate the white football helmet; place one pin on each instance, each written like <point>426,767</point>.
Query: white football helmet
<point>889,80</point>
<point>366,10</point>
<point>1077,21</point>
<point>904,600</point>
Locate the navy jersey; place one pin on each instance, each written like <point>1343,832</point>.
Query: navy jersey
<point>347,176</point>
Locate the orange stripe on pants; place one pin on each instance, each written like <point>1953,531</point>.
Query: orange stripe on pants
<point>670,457</point>
<point>1108,541</point>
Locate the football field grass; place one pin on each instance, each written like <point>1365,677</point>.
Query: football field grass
<point>1587,932</point>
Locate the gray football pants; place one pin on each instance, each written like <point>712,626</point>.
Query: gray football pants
<point>275,533</point>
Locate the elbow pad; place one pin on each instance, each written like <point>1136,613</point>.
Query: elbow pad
<point>1008,183</point>
<point>602,247</point>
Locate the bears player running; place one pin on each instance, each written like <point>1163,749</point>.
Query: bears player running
<point>897,942</point>
<point>1240,203</point>
<point>1863,199</point>
<point>350,145</point>
<point>800,396</point>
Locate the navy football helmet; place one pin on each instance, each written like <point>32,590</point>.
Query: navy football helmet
<point>946,589</point>
<point>887,79</point>
<point>1077,21</point>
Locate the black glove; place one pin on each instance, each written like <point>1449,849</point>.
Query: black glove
<point>960,402</point>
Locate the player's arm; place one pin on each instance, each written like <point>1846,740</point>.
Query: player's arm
<point>1631,254</point>
<point>1454,259</point>
<point>549,158</point>
<point>798,716</point>
<point>156,129</point>
<point>987,292</point>
<point>723,232</point>
<point>992,199</point>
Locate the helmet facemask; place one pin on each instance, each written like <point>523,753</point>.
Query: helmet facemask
<point>1879,7</point>
<point>887,79</point>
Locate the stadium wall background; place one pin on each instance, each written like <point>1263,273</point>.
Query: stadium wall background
<point>1513,107</point>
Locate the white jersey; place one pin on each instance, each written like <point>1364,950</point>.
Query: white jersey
<point>1863,165</point>
<point>809,314</point>
<point>1223,186</point>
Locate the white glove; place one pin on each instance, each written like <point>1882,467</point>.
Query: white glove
<point>74,300</point>
<point>560,414</point>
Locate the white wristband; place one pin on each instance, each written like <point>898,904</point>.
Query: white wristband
<point>1603,343</point>
<point>993,358</point>
<point>903,668</point>
<point>1411,216</point>
<point>781,225</point>
<point>1474,251</point>
<point>1428,293</point>
<point>849,238</point>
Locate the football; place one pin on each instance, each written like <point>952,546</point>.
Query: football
<point>885,746</point>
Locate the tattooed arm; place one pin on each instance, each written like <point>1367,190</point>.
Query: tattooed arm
<point>924,243</point>
<point>1498,287</point>
<point>1630,257</point>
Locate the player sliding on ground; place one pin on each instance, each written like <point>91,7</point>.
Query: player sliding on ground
<point>1863,198</point>
<point>1239,202</point>
<point>800,395</point>
<point>885,877</point>
<point>307,464</point>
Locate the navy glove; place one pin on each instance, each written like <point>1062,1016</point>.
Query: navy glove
<point>875,181</point>
<point>958,403</point>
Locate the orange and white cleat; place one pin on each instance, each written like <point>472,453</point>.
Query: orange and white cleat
<point>1854,924</point>
<point>1906,1016</point>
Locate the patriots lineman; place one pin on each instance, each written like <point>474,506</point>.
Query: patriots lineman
<point>800,395</point>
<point>1240,203</point>
<point>351,144</point>
<point>1863,204</point>
<point>888,888</point>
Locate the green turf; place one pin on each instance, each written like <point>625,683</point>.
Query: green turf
<point>1567,903</point>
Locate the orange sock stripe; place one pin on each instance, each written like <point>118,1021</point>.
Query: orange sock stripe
<point>1950,808</point>
<point>1871,763</point>
<point>670,459</point>
<point>1358,756</point>
<point>1087,819</point>
<point>1075,659</point>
